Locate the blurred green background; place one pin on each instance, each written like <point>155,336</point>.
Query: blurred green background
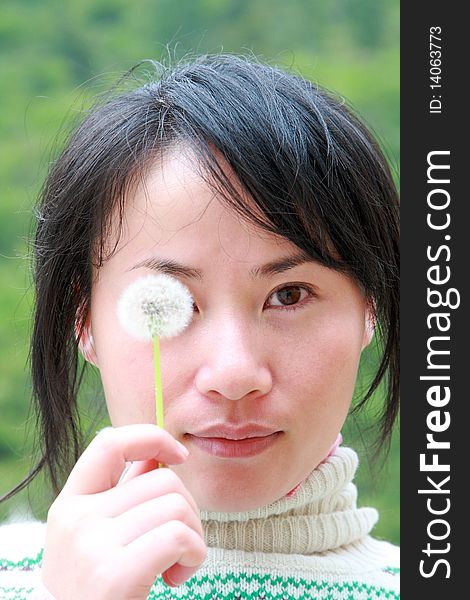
<point>57,55</point>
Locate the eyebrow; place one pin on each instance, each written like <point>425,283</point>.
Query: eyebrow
<point>274,267</point>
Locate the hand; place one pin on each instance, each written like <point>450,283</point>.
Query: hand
<point>108,541</point>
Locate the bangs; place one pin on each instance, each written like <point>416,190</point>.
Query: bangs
<point>280,214</point>
<point>309,169</point>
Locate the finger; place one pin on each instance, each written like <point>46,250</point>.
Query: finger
<point>177,574</point>
<point>102,463</point>
<point>152,484</point>
<point>151,514</point>
<point>157,551</point>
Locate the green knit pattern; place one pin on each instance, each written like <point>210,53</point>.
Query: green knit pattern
<point>255,586</point>
<point>247,587</point>
<point>15,593</point>
<point>25,564</point>
<point>231,586</point>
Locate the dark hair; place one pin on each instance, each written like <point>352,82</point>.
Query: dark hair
<point>314,173</point>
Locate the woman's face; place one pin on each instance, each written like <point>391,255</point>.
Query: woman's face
<point>274,343</point>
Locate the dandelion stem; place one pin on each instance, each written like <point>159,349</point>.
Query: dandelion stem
<point>158,382</point>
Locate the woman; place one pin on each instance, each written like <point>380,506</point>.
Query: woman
<point>272,203</point>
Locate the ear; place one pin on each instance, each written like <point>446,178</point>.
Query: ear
<point>369,325</point>
<point>85,341</point>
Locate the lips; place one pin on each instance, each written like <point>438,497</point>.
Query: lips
<point>233,432</point>
<point>232,440</point>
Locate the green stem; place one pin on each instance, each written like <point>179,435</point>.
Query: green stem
<point>158,383</point>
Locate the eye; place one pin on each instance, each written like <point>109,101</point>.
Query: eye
<point>290,297</point>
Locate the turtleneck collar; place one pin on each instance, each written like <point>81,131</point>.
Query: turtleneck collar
<point>321,515</point>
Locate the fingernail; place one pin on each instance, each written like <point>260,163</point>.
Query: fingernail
<point>184,451</point>
<point>124,473</point>
<point>169,581</point>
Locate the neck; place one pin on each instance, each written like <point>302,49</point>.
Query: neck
<point>320,516</point>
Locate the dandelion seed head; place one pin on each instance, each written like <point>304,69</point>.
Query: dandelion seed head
<point>155,305</point>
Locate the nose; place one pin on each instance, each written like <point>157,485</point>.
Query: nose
<point>233,363</point>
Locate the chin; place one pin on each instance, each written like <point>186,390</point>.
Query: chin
<point>237,487</point>
<point>225,494</point>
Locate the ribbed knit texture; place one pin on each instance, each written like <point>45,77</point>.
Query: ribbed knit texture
<point>322,515</point>
<point>314,544</point>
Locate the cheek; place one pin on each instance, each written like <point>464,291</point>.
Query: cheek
<point>130,392</point>
<point>125,365</point>
<point>128,383</point>
<point>323,367</point>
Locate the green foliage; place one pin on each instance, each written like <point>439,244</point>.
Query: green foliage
<point>56,55</point>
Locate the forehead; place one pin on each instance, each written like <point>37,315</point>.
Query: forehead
<point>173,207</point>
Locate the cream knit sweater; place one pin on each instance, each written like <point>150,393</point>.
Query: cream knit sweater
<point>312,544</point>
